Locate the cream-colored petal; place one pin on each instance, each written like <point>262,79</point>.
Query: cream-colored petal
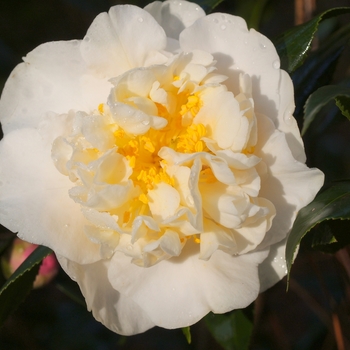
<point>216,237</point>
<point>274,267</point>
<point>248,180</point>
<point>252,233</point>
<point>102,220</point>
<point>239,50</point>
<point>134,120</point>
<point>116,311</point>
<point>181,175</point>
<point>136,82</point>
<point>288,184</point>
<point>169,243</point>
<point>223,119</point>
<point>174,15</point>
<point>227,209</point>
<point>125,38</point>
<point>108,197</point>
<point>238,161</point>
<point>54,78</point>
<point>96,131</point>
<point>220,169</point>
<point>164,200</point>
<point>189,218</point>
<point>34,198</point>
<point>287,123</point>
<point>221,284</point>
<point>112,168</point>
<point>107,239</point>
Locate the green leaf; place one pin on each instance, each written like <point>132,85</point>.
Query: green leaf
<point>318,69</point>
<point>187,333</point>
<point>333,203</point>
<point>343,103</point>
<point>18,286</point>
<point>294,44</point>
<point>208,5</point>
<point>232,330</point>
<point>252,11</point>
<point>331,235</point>
<point>320,98</point>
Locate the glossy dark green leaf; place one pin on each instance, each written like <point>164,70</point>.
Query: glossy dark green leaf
<point>208,5</point>
<point>17,287</point>
<point>320,98</point>
<point>232,330</point>
<point>332,203</point>
<point>252,11</point>
<point>331,235</point>
<point>343,103</point>
<point>318,69</point>
<point>294,44</point>
<point>187,333</point>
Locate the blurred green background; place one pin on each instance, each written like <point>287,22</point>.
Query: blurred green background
<point>301,319</point>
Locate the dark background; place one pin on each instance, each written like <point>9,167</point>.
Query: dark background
<point>319,295</point>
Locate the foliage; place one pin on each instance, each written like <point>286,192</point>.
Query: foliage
<point>21,282</point>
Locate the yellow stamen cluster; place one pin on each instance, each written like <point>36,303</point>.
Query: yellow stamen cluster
<point>189,141</point>
<point>193,105</point>
<point>180,134</point>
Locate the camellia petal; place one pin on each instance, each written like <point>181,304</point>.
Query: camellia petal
<point>52,210</point>
<point>127,35</point>
<point>181,286</point>
<point>284,173</point>
<point>159,159</point>
<point>238,50</point>
<point>274,267</point>
<point>38,81</point>
<point>174,16</point>
<point>119,313</point>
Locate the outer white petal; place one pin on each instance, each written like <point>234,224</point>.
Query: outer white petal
<point>125,38</point>
<point>289,184</point>
<point>238,50</point>
<point>116,311</point>
<point>34,198</point>
<point>287,123</point>
<point>53,78</point>
<point>274,267</point>
<point>221,284</point>
<point>174,16</point>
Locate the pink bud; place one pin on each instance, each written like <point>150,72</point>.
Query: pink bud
<point>18,252</point>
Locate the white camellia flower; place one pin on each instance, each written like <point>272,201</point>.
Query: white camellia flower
<point>159,159</point>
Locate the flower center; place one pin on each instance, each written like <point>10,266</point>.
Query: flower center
<point>169,158</point>
<point>180,134</point>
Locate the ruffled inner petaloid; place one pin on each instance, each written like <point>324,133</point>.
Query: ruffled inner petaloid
<point>168,158</point>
